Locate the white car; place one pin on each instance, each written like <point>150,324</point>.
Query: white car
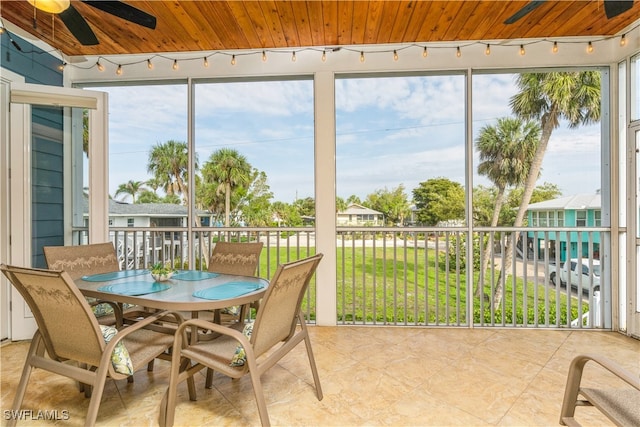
<point>578,274</point>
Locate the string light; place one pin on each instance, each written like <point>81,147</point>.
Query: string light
<point>1,30</point>
<point>119,70</point>
<point>424,50</point>
<point>61,66</point>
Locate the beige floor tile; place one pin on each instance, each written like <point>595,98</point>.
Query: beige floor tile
<point>370,376</point>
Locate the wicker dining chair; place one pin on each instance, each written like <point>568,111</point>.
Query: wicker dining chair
<point>279,326</point>
<point>69,332</point>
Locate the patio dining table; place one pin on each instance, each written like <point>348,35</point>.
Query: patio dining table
<point>186,290</point>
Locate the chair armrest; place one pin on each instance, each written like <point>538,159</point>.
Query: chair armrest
<point>147,321</point>
<point>213,327</point>
<point>574,378</point>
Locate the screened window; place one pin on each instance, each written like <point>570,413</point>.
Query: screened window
<point>581,218</point>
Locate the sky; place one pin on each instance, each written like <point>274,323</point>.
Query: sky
<point>390,131</point>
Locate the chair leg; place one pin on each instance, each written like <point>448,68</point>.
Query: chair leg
<point>34,349</point>
<point>312,361</point>
<point>96,396</point>
<point>259,394</point>
<point>208,383</point>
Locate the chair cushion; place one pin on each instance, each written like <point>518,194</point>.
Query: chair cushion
<point>233,310</point>
<point>240,356</point>
<point>120,358</point>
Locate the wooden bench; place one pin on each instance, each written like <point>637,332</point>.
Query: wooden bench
<point>620,405</point>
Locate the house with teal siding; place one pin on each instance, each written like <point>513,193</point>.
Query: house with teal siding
<point>580,210</point>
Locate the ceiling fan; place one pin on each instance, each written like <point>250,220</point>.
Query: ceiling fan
<point>612,8</point>
<point>79,27</point>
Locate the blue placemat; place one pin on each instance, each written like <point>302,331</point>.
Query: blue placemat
<point>228,290</point>
<point>105,277</point>
<point>134,288</point>
<point>194,275</point>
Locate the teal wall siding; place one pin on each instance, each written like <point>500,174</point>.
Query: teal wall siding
<point>578,242</point>
<point>47,203</point>
<point>36,65</point>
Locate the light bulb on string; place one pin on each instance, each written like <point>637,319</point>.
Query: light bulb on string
<point>395,55</point>
<point>487,51</point>
<point>149,64</point>
<point>293,57</point>
<point>522,52</point>
<point>555,47</point>
<point>233,60</point>
<point>206,62</point>
<point>425,53</point>
<point>623,40</point>
<point>99,66</point>
<point>589,48</point>
<point>458,52</point>
<point>264,56</point>
<point>61,66</point>
<point>361,56</point>
<point>119,70</point>
<point>175,64</point>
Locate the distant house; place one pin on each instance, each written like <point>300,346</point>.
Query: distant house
<point>151,215</point>
<point>581,210</point>
<point>357,215</point>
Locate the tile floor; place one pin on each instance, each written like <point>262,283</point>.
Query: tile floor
<point>371,376</point>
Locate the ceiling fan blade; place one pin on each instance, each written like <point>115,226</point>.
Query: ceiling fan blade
<point>124,11</point>
<point>78,26</point>
<point>613,8</point>
<point>522,12</point>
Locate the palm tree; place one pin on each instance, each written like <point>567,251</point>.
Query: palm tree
<point>168,163</point>
<point>506,151</point>
<point>551,97</point>
<point>131,188</point>
<point>230,170</point>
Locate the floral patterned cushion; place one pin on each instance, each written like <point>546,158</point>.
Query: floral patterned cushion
<point>240,356</point>
<point>120,358</point>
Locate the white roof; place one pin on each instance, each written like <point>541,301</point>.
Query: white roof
<point>577,202</point>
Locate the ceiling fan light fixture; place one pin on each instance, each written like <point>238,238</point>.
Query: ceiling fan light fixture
<point>51,6</point>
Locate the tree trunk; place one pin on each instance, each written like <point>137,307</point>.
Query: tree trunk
<point>487,249</point>
<point>227,203</point>
<point>530,185</point>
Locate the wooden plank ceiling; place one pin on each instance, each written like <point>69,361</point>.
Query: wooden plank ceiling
<point>184,26</point>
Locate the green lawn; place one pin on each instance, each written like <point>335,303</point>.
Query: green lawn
<point>419,288</point>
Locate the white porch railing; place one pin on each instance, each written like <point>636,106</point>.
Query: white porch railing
<point>416,276</point>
